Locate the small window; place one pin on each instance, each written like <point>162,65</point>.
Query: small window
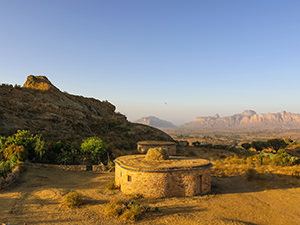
<point>129,179</point>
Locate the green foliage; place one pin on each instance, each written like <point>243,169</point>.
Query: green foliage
<point>288,141</point>
<point>259,145</point>
<point>16,153</point>
<point>32,144</point>
<point>282,158</point>
<point>276,143</point>
<point>246,146</point>
<point>94,147</point>
<point>72,200</point>
<point>196,144</point>
<point>5,168</point>
<point>2,142</point>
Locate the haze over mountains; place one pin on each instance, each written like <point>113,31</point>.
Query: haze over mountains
<point>248,119</point>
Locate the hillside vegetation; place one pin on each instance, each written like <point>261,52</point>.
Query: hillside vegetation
<point>43,109</point>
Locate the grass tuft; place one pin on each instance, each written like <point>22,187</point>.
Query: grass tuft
<point>72,200</point>
<point>127,211</point>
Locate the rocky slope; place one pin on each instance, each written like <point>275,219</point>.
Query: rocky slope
<point>247,120</point>
<point>42,108</point>
<point>155,122</point>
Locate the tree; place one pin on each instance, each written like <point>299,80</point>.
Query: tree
<point>31,143</point>
<point>246,146</point>
<point>259,145</point>
<point>276,143</point>
<point>196,144</point>
<point>94,147</point>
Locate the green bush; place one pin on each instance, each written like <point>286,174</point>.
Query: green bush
<point>32,144</point>
<point>94,147</point>
<point>276,143</point>
<point>246,146</point>
<point>282,158</point>
<point>5,168</point>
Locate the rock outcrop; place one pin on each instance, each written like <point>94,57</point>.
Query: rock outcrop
<point>248,119</point>
<point>155,122</point>
<point>43,109</point>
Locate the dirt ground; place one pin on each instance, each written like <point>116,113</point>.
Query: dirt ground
<point>36,200</point>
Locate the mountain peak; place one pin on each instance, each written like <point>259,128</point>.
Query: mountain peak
<point>248,113</point>
<point>39,83</point>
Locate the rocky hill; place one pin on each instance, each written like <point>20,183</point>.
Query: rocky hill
<point>249,119</point>
<point>155,122</point>
<point>42,108</point>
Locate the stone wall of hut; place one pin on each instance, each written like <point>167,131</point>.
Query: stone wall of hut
<point>163,184</point>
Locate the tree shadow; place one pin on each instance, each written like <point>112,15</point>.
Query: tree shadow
<point>174,210</point>
<point>238,222</point>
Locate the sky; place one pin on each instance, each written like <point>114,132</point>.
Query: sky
<point>176,60</point>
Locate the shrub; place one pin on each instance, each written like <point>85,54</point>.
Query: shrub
<point>5,168</point>
<point>111,186</point>
<point>259,145</point>
<point>276,143</point>
<point>32,144</point>
<point>72,200</point>
<point>282,158</point>
<point>157,154</point>
<point>133,212</point>
<point>94,147</point>
<point>246,146</point>
<point>114,208</point>
<point>135,196</point>
<point>128,211</point>
<point>14,152</point>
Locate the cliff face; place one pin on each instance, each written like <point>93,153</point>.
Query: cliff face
<point>155,122</point>
<point>248,120</point>
<point>42,108</point>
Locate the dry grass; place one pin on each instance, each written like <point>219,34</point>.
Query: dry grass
<point>156,154</point>
<point>72,200</point>
<point>270,198</point>
<point>111,186</point>
<point>128,211</point>
<point>139,162</point>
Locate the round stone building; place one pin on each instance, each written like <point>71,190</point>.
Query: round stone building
<point>176,176</point>
<point>170,147</point>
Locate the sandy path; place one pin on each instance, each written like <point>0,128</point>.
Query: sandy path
<point>36,200</point>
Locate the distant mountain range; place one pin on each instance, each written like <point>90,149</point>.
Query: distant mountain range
<point>155,122</point>
<point>248,119</point>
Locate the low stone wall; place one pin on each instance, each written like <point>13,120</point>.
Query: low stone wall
<point>99,168</point>
<point>159,184</point>
<point>62,167</point>
<point>12,177</point>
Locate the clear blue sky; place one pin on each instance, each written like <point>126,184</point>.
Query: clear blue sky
<point>173,59</point>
